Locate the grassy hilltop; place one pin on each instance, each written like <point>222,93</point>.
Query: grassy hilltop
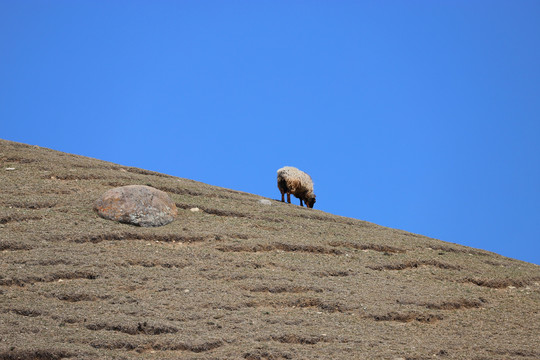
<point>237,279</point>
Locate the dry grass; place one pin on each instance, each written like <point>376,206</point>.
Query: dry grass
<point>237,280</point>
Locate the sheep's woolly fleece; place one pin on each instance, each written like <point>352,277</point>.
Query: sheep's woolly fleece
<point>297,183</point>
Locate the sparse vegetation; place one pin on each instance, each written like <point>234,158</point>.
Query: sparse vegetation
<point>237,279</point>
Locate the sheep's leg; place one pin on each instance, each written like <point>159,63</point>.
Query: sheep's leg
<point>289,198</point>
<point>282,197</point>
<point>301,203</point>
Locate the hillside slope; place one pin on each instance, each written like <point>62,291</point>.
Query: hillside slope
<point>237,279</point>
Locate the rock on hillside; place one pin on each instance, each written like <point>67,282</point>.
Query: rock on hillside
<point>237,279</point>
<point>138,205</point>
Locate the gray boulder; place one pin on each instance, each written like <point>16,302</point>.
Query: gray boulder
<point>138,205</point>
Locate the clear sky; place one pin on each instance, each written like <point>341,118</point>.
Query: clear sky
<point>417,115</point>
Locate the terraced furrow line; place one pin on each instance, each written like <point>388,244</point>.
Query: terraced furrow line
<point>415,264</point>
<point>280,246</point>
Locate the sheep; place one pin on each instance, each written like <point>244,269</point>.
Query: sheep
<point>290,180</point>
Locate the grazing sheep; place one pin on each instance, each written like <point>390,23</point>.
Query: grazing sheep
<point>290,180</point>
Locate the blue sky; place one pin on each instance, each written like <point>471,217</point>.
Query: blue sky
<point>417,115</point>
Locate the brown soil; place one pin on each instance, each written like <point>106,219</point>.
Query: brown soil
<point>237,279</point>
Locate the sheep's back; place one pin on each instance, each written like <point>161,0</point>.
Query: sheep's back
<point>295,177</point>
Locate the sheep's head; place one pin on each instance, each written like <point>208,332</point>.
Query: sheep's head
<point>310,200</point>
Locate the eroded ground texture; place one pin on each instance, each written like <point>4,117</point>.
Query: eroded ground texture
<point>237,279</point>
